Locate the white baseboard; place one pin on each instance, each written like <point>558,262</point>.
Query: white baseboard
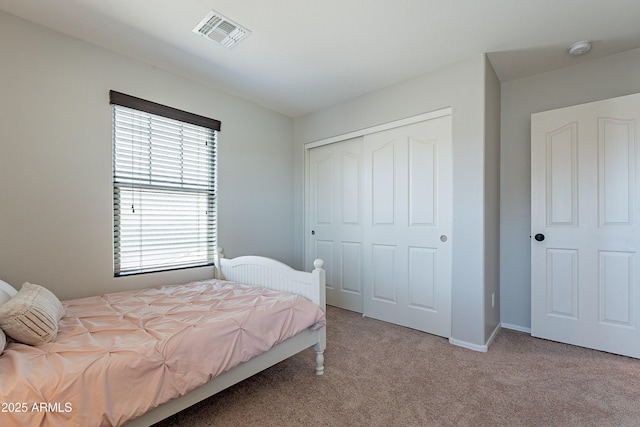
<point>470,346</point>
<point>481,348</point>
<point>493,335</point>
<point>516,327</point>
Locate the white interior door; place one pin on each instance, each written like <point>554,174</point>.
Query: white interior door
<point>585,288</point>
<point>335,219</point>
<point>407,225</point>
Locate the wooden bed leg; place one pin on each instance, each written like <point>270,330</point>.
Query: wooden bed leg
<point>319,360</point>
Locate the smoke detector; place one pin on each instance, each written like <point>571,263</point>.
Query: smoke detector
<point>580,48</point>
<point>222,30</point>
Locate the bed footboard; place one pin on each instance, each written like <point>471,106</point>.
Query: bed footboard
<point>271,274</point>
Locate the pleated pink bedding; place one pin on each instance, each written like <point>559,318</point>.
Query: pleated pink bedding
<point>119,355</point>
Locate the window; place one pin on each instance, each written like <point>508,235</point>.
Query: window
<point>164,187</point>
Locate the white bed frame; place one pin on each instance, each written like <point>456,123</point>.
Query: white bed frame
<point>258,271</point>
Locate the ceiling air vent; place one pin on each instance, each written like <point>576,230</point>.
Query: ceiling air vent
<point>221,30</point>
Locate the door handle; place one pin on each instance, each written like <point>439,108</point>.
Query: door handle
<point>313,232</point>
<point>539,237</point>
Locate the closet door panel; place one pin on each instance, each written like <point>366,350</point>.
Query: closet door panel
<point>352,268</point>
<point>422,182</point>
<point>383,177</point>
<point>334,204</point>
<point>423,278</point>
<point>408,170</point>
<point>384,288</point>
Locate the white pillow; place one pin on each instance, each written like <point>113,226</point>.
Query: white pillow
<point>3,341</point>
<point>31,316</point>
<point>4,286</point>
<point>4,297</point>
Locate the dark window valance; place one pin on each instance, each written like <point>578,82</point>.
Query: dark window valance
<point>117,98</point>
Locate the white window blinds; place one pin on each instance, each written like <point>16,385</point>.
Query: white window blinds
<point>164,187</point>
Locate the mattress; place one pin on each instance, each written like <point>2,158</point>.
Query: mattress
<point>118,355</point>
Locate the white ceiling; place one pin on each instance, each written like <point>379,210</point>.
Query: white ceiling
<point>304,55</point>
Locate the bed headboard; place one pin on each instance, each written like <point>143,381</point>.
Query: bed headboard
<point>272,274</point>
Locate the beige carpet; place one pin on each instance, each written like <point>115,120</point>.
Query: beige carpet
<point>378,374</point>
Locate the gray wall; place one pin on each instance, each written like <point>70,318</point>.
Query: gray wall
<point>595,80</point>
<point>462,87</point>
<point>492,202</point>
<point>55,162</point>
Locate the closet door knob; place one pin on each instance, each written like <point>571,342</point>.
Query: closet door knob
<point>539,237</point>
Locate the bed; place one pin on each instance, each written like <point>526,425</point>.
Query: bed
<point>184,372</point>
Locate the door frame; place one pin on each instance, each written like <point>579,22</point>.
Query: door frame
<point>349,135</point>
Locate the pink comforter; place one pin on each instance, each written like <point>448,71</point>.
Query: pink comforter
<point>119,355</point>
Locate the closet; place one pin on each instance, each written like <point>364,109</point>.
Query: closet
<point>379,212</point>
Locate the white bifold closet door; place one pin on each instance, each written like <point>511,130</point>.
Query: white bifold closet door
<point>585,225</point>
<point>380,214</point>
